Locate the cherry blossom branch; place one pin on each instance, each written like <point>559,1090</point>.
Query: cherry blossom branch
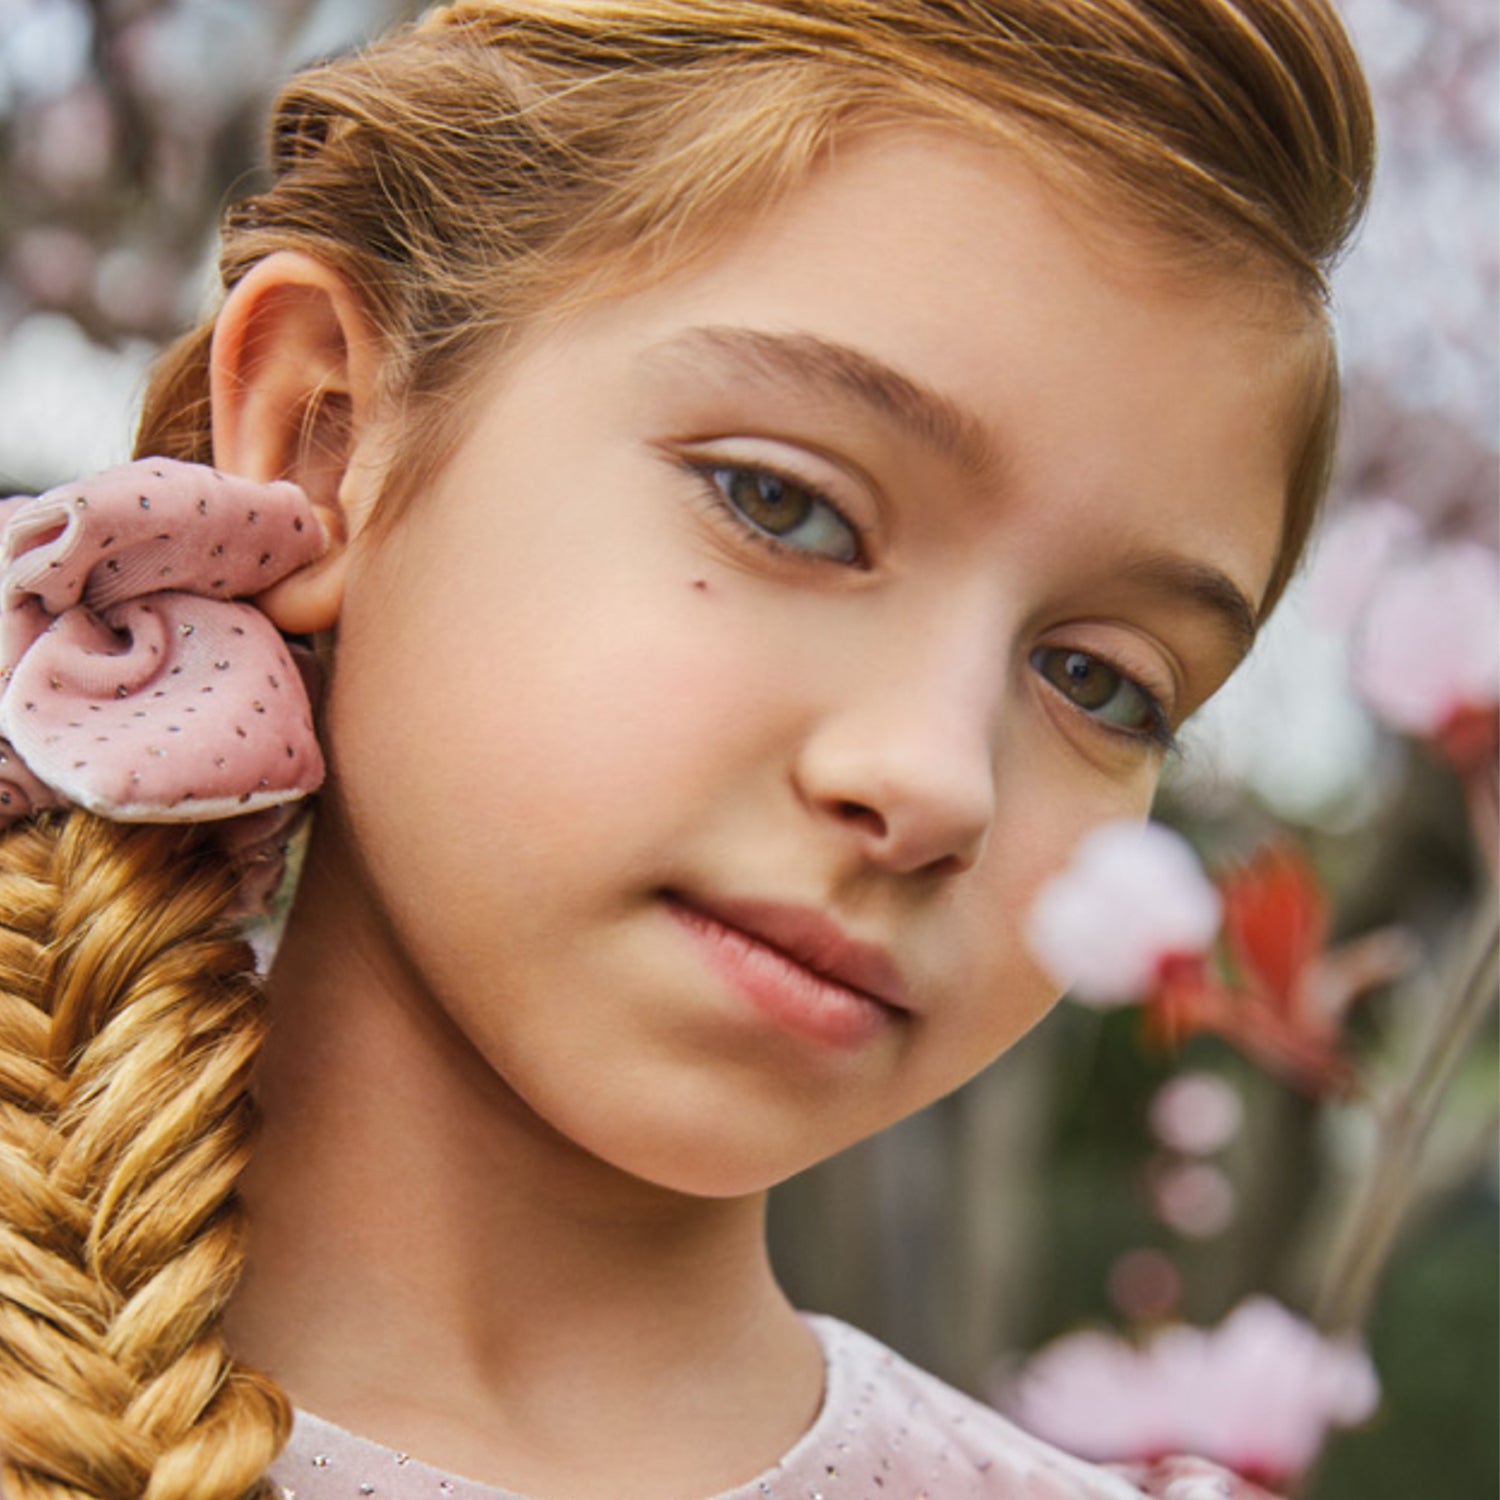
<point>1379,1209</point>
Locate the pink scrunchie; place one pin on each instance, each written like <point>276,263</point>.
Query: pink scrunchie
<point>133,680</point>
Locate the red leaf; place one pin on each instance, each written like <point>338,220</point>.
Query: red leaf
<point>1275,920</point>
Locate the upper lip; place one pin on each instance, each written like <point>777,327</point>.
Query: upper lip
<point>811,938</point>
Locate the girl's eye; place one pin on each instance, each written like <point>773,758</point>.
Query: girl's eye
<point>784,512</point>
<point>1104,693</point>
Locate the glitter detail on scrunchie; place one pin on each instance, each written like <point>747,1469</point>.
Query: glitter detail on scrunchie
<point>134,679</point>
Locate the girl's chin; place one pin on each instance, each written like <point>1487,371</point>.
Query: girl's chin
<point>713,1176</point>
<point>715,1160</point>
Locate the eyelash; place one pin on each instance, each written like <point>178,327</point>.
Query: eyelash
<point>1159,731</point>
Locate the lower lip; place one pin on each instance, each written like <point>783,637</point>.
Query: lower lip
<point>782,990</point>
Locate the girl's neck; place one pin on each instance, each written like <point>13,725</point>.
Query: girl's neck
<point>433,1266</point>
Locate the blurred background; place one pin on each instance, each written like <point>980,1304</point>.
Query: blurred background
<point>1304,1175</point>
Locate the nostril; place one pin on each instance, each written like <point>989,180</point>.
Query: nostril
<point>861,815</point>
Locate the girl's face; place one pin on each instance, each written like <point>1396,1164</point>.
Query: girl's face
<point>814,602</point>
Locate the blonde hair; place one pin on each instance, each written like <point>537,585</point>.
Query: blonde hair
<point>496,164</point>
<point>129,1021</point>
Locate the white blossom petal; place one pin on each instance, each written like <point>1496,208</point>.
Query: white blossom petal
<point>1133,896</point>
<point>1429,644</point>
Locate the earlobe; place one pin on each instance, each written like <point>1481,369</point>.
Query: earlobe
<point>309,600</point>
<point>292,382</point>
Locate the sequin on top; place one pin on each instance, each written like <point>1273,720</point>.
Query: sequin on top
<point>886,1431</point>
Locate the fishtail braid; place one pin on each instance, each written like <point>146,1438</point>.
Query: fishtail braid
<point>130,1018</point>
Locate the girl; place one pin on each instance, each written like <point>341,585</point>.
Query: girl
<point>762,480</point>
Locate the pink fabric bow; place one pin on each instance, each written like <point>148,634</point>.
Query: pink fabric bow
<point>133,680</point>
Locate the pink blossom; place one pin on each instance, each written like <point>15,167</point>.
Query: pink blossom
<point>1193,1197</point>
<point>1196,1113</point>
<point>1133,898</point>
<point>54,266</point>
<point>1257,1394</point>
<point>1144,1284</point>
<point>1429,645</point>
<point>1353,552</point>
<point>67,144</point>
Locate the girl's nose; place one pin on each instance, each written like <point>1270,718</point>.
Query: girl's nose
<point>909,777</point>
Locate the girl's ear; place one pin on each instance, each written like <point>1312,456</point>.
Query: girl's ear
<point>293,372</point>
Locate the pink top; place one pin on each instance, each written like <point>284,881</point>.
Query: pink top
<point>886,1431</point>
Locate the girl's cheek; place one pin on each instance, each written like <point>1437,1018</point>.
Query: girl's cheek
<point>1047,802</point>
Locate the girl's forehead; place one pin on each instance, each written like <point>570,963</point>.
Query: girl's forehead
<point>918,225</point>
<point>959,253</point>
<point>934,177</point>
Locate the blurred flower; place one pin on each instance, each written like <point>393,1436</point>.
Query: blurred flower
<point>1287,727</point>
<point>1133,900</point>
<point>1145,1285</point>
<point>1133,918</point>
<point>1423,625</point>
<point>67,144</point>
<point>1196,1113</point>
<point>1258,1394</point>
<point>53,266</point>
<point>199,61</point>
<point>1431,228</point>
<point>1284,998</point>
<point>1193,1197</point>
<point>1384,623</point>
<point>1429,642</point>
<point>1392,35</point>
<point>1351,554</point>
<point>1470,742</point>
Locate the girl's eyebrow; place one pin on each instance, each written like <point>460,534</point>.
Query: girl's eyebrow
<point>926,415</point>
<point>938,423</point>
<point>1201,586</point>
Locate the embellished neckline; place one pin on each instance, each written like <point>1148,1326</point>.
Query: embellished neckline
<point>323,1450</point>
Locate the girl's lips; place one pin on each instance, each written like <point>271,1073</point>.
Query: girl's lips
<point>797,966</point>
